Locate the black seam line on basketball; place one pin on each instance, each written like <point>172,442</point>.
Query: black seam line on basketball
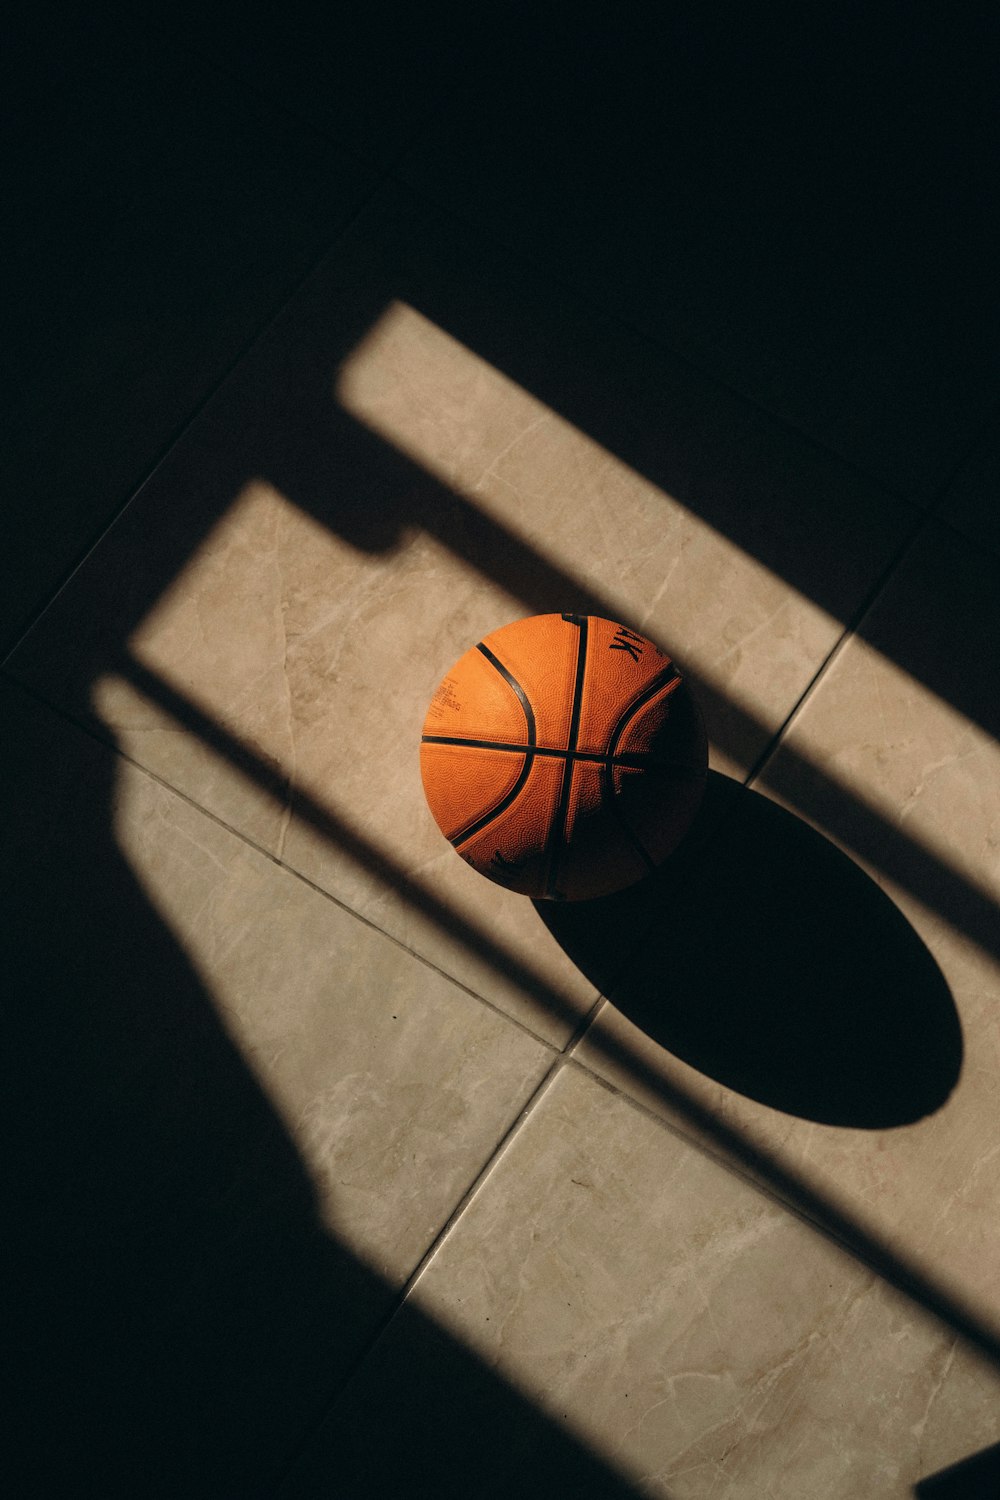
<point>558,831</point>
<point>486,819</point>
<point>512,682</point>
<point>636,760</point>
<point>628,758</point>
<point>608,800</point>
<point>661,680</point>
<point>610,804</point>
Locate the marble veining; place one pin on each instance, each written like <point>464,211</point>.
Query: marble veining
<point>705,1342</point>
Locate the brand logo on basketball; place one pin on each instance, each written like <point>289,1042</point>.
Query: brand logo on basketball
<point>627,640</point>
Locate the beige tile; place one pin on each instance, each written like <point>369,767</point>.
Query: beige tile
<point>366,499</point>
<point>691,1334</point>
<point>899,765</point>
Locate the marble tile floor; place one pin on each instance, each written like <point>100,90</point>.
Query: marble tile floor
<point>341,1172</point>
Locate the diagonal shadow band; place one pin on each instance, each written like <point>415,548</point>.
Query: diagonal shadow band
<point>975,1478</point>
<point>729,1144</point>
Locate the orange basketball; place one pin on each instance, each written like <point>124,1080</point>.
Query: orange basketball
<point>563,756</point>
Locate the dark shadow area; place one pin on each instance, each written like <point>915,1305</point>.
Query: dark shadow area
<point>176,1319</point>
<point>773,964</point>
<point>799,202</point>
<point>367,73</point>
<point>975,1478</point>
<point>159,213</point>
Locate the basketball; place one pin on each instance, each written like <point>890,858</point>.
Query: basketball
<point>564,756</point>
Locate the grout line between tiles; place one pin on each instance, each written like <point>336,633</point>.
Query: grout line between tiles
<point>850,629</point>
<point>961,1321</point>
<point>728,1163</point>
<point>929,516</point>
<point>402,1296</point>
<point>583,1026</point>
<point>479,1182</point>
<point>588,1020</point>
